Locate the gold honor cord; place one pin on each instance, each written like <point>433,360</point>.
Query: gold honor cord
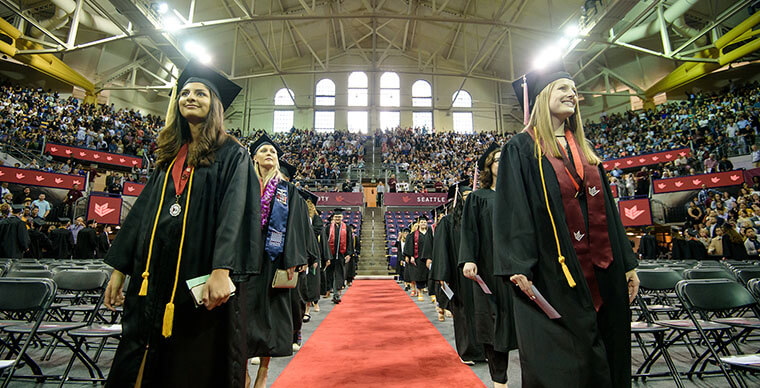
<point>166,329</point>
<point>560,258</point>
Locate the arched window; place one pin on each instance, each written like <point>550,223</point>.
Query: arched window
<point>462,119</point>
<point>422,96</point>
<point>358,121</point>
<point>324,120</point>
<point>283,119</point>
<point>389,89</point>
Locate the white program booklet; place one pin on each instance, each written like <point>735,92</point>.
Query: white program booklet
<point>447,290</point>
<point>544,304</point>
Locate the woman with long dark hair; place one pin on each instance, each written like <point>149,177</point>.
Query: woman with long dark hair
<point>197,216</point>
<point>558,234</point>
<point>494,324</point>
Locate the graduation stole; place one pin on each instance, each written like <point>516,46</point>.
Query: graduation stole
<point>577,179</point>
<point>343,238</point>
<point>278,221</point>
<point>417,243</point>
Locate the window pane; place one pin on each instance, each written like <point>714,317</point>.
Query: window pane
<point>422,101</point>
<point>357,97</point>
<point>421,88</point>
<point>357,79</point>
<point>462,122</point>
<point>284,97</point>
<point>326,87</point>
<point>324,121</point>
<point>389,120</point>
<point>283,120</point>
<point>462,99</point>
<point>389,97</point>
<point>390,80</point>
<point>322,100</point>
<point>423,120</point>
<point>357,122</point>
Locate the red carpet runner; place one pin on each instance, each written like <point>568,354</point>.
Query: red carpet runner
<point>377,337</point>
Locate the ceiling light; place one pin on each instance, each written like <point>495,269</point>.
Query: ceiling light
<point>170,23</point>
<point>572,31</point>
<point>163,8</point>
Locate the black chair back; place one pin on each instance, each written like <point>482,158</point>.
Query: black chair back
<point>658,279</point>
<point>30,274</point>
<point>26,294</point>
<point>754,287</point>
<point>746,274</point>
<point>707,273</point>
<point>80,280</point>
<point>715,294</point>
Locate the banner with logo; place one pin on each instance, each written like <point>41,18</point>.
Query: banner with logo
<point>635,212</point>
<point>94,156</point>
<point>414,199</point>
<point>327,198</point>
<point>28,177</point>
<point>695,182</point>
<point>104,209</point>
<point>132,189</point>
<point>647,159</point>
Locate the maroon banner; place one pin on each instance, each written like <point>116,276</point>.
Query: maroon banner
<point>635,212</point>
<point>750,174</point>
<point>24,176</point>
<point>414,199</point>
<point>94,156</point>
<point>327,198</point>
<point>132,189</point>
<point>614,190</point>
<point>646,160</point>
<point>695,182</point>
<point>104,210</point>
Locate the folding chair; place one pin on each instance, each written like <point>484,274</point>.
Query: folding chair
<point>23,298</point>
<point>746,274</point>
<point>707,273</point>
<point>719,298</point>
<point>30,274</point>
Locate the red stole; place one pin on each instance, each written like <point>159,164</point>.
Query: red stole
<point>575,179</point>
<point>343,240</point>
<point>417,243</point>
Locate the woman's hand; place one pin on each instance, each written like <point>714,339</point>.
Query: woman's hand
<point>114,291</point>
<point>633,284</point>
<point>217,291</point>
<point>291,272</point>
<point>348,258</point>
<point>413,262</point>
<point>470,270</point>
<point>524,284</point>
<point>327,264</point>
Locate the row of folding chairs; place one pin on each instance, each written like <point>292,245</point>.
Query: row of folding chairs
<point>46,314</point>
<point>710,310</point>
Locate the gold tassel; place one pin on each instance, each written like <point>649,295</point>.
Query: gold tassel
<point>166,329</point>
<point>568,275</point>
<point>144,285</point>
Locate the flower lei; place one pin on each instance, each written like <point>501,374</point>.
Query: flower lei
<point>266,200</point>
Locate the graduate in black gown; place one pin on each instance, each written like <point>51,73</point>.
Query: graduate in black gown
<point>284,231</point>
<point>446,269</point>
<point>38,240</point>
<point>400,263</point>
<point>104,241</point>
<point>87,242</point>
<point>353,262</point>
<point>494,321</point>
<point>314,273</point>
<point>197,215</point>
<point>418,249</point>
<point>341,243</point>
<point>556,227</point>
<point>62,241</point>
<point>14,234</point>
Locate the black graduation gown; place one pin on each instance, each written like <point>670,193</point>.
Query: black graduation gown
<point>583,348</point>
<point>418,272</point>
<point>351,265</point>
<point>15,238</point>
<point>446,268</point>
<point>648,247</point>
<point>103,244</point>
<point>337,268</point>
<point>38,242</point>
<point>731,250</point>
<point>314,275</point>
<point>207,348</point>
<point>270,326</point>
<point>494,316</point>
<point>399,268</point>
<point>62,243</point>
<point>87,243</point>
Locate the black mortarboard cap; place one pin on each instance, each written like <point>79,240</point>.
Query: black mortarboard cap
<point>38,222</point>
<point>225,89</point>
<point>262,140</point>
<point>64,219</point>
<point>538,80</point>
<point>17,208</point>
<point>405,230</point>
<point>463,186</point>
<point>308,196</point>
<point>90,222</point>
<point>482,160</point>
<point>423,217</point>
<point>337,210</point>
<point>288,169</point>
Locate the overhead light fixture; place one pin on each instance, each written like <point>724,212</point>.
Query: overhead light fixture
<point>547,56</point>
<point>572,31</point>
<point>170,23</point>
<point>197,51</point>
<point>163,8</point>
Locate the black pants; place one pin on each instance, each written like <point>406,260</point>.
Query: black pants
<point>497,364</point>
